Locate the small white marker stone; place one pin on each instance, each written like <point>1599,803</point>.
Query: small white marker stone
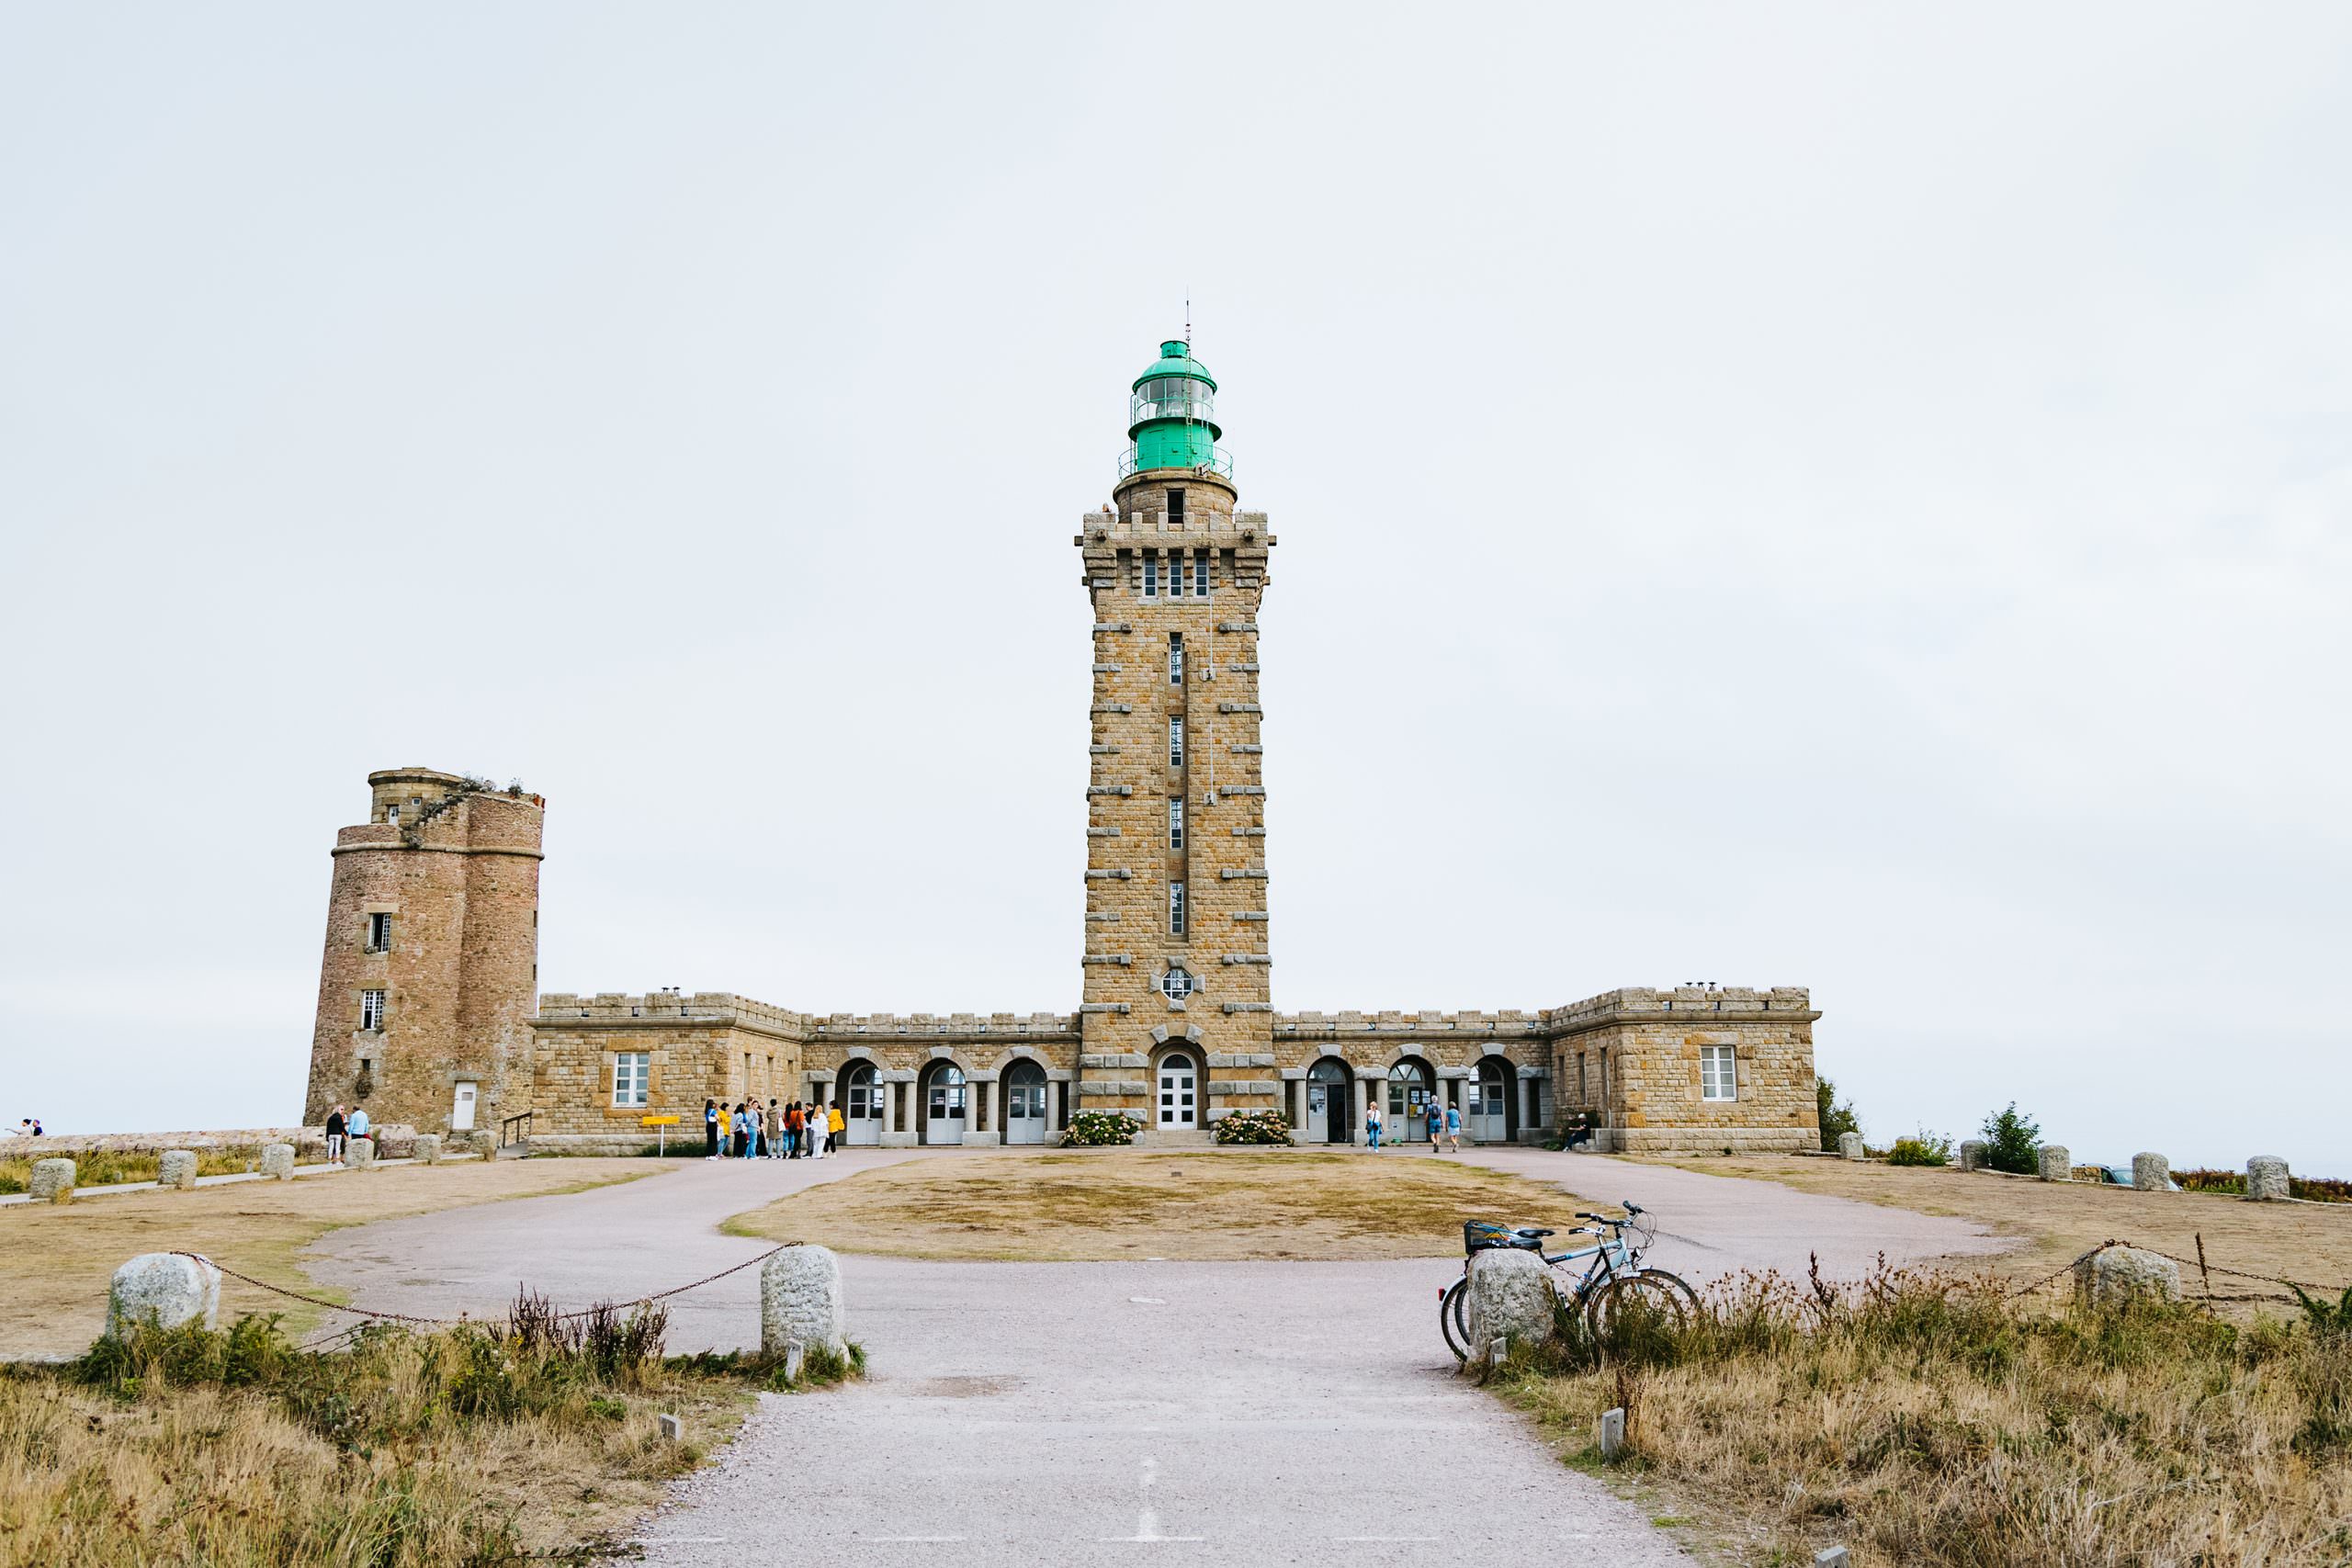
<point>1612,1433</point>
<point>1834,1558</point>
<point>672,1429</point>
<point>793,1356</point>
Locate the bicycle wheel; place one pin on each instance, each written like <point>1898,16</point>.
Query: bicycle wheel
<point>1453,1318</point>
<point>1651,1300</point>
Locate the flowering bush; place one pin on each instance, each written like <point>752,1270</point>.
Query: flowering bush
<point>1253,1127</point>
<point>1100,1128</point>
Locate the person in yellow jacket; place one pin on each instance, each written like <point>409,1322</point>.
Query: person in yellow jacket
<point>833,1125</point>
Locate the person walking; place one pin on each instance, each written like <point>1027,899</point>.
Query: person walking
<point>834,1124</point>
<point>335,1136</point>
<point>795,1127</point>
<point>1371,1124</point>
<point>775,1129</point>
<point>1437,1127</point>
<point>817,1128</point>
<point>1453,1128</point>
<point>356,1125</point>
<point>709,1128</point>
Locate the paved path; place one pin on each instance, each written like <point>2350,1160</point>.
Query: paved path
<point>1218,1414</point>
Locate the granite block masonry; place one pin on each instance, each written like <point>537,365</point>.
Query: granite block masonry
<point>429,1009</point>
<point>162,1290</point>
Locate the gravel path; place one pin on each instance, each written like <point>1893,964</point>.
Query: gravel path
<point>1109,1413</point>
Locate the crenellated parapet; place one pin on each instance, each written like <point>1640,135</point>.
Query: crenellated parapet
<point>561,1009</point>
<point>1777,1003</point>
<point>843,1027</point>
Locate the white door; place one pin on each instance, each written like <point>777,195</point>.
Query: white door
<point>943,1107</point>
<point>461,1115</point>
<point>1178,1086</point>
<point>863,1111</point>
<point>1318,1113</point>
<point>1024,1105</point>
<point>1489,1115</point>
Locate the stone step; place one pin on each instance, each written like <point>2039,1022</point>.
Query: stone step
<point>1174,1138</point>
<point>520,1149</point>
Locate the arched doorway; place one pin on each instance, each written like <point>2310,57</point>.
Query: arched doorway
<point>942,1093</point>
<point>1178,1084</point>
<point>1411,1084</point>
<point>1024,1103</point>
<point>859,1094</point>
<point>1331,1103</point>
<point>1493,1113</point>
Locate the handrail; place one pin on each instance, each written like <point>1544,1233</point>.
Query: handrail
<point>506,1133</point>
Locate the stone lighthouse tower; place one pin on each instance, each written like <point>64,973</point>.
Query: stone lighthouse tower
<point>1176,1024</point>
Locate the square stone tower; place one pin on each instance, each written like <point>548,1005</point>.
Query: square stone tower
<point>428,980</point>
<point>1176,1023</point>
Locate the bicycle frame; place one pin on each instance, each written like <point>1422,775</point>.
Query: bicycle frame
<point>1611,1258</point>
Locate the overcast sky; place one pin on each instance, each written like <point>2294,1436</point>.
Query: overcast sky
<point>1843,496</point>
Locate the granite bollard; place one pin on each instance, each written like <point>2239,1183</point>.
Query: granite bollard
<point>2265,1179</point>
<point>1508,1298</point>
<point>177,1170</point>
<point>426,1150</point>
<point>1850,1146</point>
<point>2057,1164</point>
<point>165,1289</point>
<point>2120,1273</point>
<point>52,1180</point>
<point>1972,1154</point>
<point>800,1301</point>
<point>359,1153</point>
<point>278,1160</point>
<point>2151,1173</point>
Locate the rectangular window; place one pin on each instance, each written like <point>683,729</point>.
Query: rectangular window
<point>1175,658</point>
<point>379,934</point>
<point>632,1071</point>
<point>1718,1073</point>
<point>1176,908</point>
<point>1200,574</point>
<point>371,1009</point>
<point>1175,821</point>
<point>1151,574</point>
<point>1584,1083</point>
<point>1175,740</point>
<point>1176,509</point>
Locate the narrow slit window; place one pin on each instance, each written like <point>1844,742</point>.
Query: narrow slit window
<point>1176,924</point>
<point>1176,509</point>
<point>1175,740</point>
<point>1175,821</point>
<point>1151,574</point>
<point>1200,574</point>
<point>379,934</point>
<point>1175,658</point>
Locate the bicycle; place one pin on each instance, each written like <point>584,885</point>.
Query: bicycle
<point>1614,1281</point>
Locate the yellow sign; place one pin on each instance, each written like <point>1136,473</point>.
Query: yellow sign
<point>657,1121</point>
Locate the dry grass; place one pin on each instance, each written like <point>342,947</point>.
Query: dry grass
<point>55,1261</point>
<point>1222,1206</point>
<point>102,1168</point>
<point>2059,1221</point>
<point>1938,1422</point>
<point>471,1446</point>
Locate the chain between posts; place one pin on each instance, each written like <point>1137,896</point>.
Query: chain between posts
<point>369,1312</point>
<point>2198,1263</point>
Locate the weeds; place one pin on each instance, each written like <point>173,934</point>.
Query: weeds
<point>1933,1419</point>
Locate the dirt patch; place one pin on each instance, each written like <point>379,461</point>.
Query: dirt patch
<point>55,1260</point>
<point>1206,1207</point>
<point>2059,1221</point>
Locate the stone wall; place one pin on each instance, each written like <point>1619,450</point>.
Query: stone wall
<point>711,1045</point>
<point>1631,1059</point>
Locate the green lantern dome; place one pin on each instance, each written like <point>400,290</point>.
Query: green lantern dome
<point>1169,416</point>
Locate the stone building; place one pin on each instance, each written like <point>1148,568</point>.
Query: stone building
<point>428,1012</point>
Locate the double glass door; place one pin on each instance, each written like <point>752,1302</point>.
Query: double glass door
<point>1179,1084</point>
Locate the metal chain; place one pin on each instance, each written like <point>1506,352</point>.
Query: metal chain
<point>308,1300</point>
<point>2183,1262</point>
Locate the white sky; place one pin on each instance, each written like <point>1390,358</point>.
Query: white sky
<point>1855,497</point>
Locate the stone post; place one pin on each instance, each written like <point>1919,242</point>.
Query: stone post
<point>1972,1154</point>
<point>2057,1164</point>
<point>52,1180</point>
<point>2266,1178</point>
<point>359,1153</point>
<point>1608,1433</point>
<point>428,1148</point>
<point>890,1092</point>
<point>163,1289</point>
<point>800,1301</point>
<point>177,1171</point>
<point>278,1160</point>
<point>2120,1272</point>
<point>1508,1298</point>
<point>1850,1146</point>
<point>2151,1173</point>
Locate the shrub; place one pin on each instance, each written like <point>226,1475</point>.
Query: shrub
<point>1836,1119</point>
<point>1100,1128</point>
<point>2317,1188</point>
<point>1924,1149</point>
<point>2211,1180</point>
<point>2012,1143</point>
<point>1253,1127</point>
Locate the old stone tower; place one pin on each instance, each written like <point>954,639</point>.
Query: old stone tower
<point>429,979</point>
<point>1176,1020</point>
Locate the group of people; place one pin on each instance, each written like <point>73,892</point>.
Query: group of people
<point>342,1129</point>
<point>792,1131</point>
<point>1446,1127</point>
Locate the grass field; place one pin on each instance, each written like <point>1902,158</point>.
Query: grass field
<point>1109,1204</point>
<point>2059,1221</point>
<point>55,1260</point>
